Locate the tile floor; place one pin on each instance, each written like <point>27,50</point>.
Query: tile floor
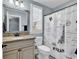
<point>50,57</point>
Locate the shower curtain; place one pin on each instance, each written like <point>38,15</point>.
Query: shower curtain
<point>60,31</point>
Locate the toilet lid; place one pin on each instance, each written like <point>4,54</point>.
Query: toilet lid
<point>44,48</point>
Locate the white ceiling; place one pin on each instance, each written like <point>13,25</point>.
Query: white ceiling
<point>53,3</point>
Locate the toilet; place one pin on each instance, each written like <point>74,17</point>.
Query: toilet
<point>43,51</point>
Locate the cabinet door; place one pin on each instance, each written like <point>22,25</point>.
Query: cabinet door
<point>27,53</point>
<point>11,55</point>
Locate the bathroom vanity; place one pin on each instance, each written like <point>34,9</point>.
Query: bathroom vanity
<point>17,43</point>
<point>21,47</point>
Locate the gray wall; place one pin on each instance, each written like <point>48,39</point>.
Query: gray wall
<point>27,4</point>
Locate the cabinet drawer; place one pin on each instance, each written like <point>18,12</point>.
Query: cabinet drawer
<point>17,45</point>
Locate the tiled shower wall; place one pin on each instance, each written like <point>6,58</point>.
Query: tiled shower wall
<point>60,33</point>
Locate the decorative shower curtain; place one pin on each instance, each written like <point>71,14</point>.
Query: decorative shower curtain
<point>60,31</point>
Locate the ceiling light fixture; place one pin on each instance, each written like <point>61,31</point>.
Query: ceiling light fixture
<point>21,4</point>
<point>11,1</point>
<point>17,3</point>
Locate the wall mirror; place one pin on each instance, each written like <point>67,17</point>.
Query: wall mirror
<point>15,20</point>
<point>13,23</point>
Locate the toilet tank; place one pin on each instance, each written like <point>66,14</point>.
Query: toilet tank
<point>38,41</point>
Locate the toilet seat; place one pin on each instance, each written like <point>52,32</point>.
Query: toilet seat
<point>44,48</point>
<point>44,52</point>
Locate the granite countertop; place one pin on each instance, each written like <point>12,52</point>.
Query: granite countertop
<point>17,38</point>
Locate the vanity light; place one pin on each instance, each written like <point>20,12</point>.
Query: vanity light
<point>21,4</point>
<point>11,2</point>
<point>17,3</point>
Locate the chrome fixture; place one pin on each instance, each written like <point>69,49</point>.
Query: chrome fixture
<point>18,3</point>
<point>11,1</point>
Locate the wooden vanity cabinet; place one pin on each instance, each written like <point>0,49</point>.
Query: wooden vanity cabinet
<point>27,53</point>
<point>11,55</point>
<point>19,50</point>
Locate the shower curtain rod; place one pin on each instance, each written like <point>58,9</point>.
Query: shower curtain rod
<point>61,9</point>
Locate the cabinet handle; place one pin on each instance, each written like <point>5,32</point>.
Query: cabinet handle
<point>4,46</point>
<point>19,50</point>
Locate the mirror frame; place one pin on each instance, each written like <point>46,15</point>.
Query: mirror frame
<point>8,16</point>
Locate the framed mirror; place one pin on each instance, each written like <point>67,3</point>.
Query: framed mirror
<point>13,23</point>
